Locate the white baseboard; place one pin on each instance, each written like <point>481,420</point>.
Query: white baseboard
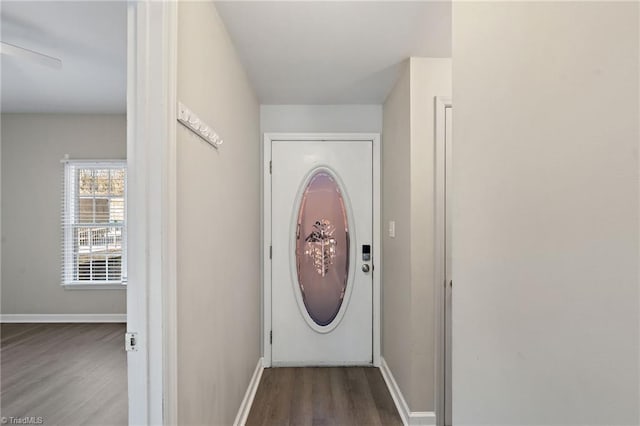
<point>409,418</point>
<point>247,401</point>
<point>422,418</point>
<point>5,318</point>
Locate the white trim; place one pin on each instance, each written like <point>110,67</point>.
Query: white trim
<point>409,418</point>
<point>95,286</point>
<point>137,361</point>
<point>266,248</point>
<point>394,390</point>
<point>266,226</point>
<point>422,418</point>
<point>352,249</point>
<point>96,162</point>
<point>321,137</point>
<point>45,318</point>
<point>151,199</point>
<point>319,363</point>
<point>247,401</point>
<point>170,236</point>
<point>377,249</point>
<point>441,104</point>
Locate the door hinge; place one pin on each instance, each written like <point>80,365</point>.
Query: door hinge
<point>270,166</point>
<point>271,337</point>
<point>270,252</point>
<point>131,341</point>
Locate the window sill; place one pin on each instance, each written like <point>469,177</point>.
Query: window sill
<point>94,286</point>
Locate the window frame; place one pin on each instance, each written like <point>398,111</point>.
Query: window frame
<point>70,204</point>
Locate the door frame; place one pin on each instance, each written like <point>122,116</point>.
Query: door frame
<point>269,138</point>
<point>441,105</point>
<point>151,211</point>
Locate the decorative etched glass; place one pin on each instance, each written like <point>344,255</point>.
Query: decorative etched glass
<point>322,248</point>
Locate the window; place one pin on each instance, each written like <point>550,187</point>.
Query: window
<point>94,224</point>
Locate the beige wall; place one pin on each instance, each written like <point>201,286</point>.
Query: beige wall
<point>430,77</point>
<point>396,252</point>
<point>321,118</point>
<point>409,316</point>
<point>32,147</point>
<point>218,224</point>
<point>545,226</point>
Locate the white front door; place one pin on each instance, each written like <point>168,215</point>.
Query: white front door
<point>322,239</point>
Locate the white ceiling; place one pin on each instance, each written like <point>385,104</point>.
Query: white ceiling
<point>91,40</point>
<point>333,52</point>
<point>307,52</point>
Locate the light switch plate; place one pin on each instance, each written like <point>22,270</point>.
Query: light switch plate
<point>392,228</point>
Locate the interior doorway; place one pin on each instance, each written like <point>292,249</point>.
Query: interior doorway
<point>64,212</point>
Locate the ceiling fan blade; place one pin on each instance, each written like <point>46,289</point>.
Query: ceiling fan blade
<point>21,52</point>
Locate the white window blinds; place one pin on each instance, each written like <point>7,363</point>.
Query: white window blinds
<point>94,243</point>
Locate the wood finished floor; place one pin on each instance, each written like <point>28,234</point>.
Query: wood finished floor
<point>336,396</point>
<point>68,374</point>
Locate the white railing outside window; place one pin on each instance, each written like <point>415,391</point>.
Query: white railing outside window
<point>94,231</point>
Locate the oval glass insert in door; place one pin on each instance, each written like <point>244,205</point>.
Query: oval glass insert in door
<point>322,248</point>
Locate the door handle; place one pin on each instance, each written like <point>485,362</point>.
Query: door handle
<point>365,268</point>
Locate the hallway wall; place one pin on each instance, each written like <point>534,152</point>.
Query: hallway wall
<point>32,176</point>
<point>430,77</point>
<point>218,224</point>
<point>408,278</point>
<point>545,226</point>
<point>320,118</point>
<point>396,252</point>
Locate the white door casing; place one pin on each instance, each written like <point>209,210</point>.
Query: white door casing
<point>292,336</point>
<point>151,159</point>
<point>448,287</point>
<point>443,266</point>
